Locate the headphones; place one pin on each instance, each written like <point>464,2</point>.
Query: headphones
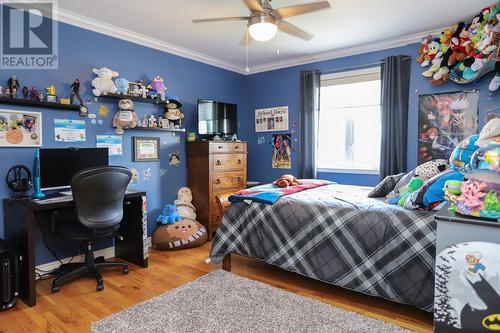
<point>19,178</point>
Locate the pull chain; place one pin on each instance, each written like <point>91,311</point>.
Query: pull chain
<point>247,69</point>
<point>278,37</point>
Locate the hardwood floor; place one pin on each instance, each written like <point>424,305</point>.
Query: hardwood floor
<point>78,304</point>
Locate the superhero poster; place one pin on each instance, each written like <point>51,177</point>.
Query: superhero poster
<point>444,120</point>
<point>282,151</point>
<point>467,288</point>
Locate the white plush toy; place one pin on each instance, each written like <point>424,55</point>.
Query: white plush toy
<point>103,83</point>
<point>184,206</point>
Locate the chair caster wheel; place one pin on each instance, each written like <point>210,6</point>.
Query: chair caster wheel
<point>55,289</point>
<point>99,287</point>
<point>125,271</point>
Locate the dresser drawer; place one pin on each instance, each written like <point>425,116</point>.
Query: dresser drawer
<point>228,180</point>
<point>228,147</point>
<point>229,161</point>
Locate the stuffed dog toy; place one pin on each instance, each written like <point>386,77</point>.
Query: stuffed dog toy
<point>287,180</point>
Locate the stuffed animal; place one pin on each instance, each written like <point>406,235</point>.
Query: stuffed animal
<point>173,114</point>
<point>158,85</point>
<point>405,191</point>
<point>287,180</point>
<point>489,133</point>
<point>169,215</point>
<point>429,169</point>
<point>103,83</point>
<point>125,117</point>
<point>122,85</point>
<point>183,203</point>
<point>184,234</point>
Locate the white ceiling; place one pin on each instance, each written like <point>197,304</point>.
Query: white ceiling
<point>166,24</point>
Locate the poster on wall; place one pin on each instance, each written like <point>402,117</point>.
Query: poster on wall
<point>271,119</point>
<point>69,130</point>
<point>467,288</point>
<point>282,151</point>
<point>20,129</point>
<point>444,120</point>
<point>112,142</point>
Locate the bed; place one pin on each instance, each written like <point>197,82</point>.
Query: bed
<point>338,235</point>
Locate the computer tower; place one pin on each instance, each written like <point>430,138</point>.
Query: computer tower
<point>9,276</point>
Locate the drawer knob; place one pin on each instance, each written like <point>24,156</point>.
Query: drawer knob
<point>217,181</point>
<point>239,161</point>
<point>236,147</point>
<point>220,147</point>
<point>239,179</point>
<point>218,162</point>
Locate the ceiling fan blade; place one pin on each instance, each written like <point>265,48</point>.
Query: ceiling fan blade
<point>222,19</point>
<point>254,6</point>
<point>285,12</point>
<point>294,30</point>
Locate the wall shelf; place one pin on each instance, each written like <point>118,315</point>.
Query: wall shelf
<point>156,129</point>
<point>38,104</point>
<point>135,98</point>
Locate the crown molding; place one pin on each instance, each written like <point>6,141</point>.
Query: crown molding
<point>124,34</point>
<point>87,23</point>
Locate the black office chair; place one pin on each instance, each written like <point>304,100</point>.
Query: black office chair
<point>98,194</point>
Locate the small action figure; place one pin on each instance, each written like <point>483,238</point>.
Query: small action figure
<point>51,90</point>
<point>7,92</point>
<point>26,92</point>
<point>34,94</point>
<point>13,84</point>
<point>75,91</point>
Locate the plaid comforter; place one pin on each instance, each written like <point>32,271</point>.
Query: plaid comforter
<point>337,235</point>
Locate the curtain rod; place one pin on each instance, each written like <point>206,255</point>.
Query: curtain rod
<point>341,69</point>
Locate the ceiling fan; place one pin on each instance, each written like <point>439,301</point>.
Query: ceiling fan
<point>264,21</point>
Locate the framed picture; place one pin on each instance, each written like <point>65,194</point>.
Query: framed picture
<point>20,129</point>
<point>445,119</point>
<point>135,88</point>
<point>146,149</point>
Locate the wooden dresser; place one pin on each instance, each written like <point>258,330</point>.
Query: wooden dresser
<point>215,168</point>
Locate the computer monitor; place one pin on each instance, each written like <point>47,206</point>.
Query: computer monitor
<point>57,166</point>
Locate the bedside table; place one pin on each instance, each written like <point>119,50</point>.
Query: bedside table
<point>467,274</point>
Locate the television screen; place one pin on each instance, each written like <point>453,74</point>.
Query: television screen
<point>216,118</point>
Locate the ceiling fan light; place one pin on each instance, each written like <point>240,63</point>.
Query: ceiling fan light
<point>262,28</point>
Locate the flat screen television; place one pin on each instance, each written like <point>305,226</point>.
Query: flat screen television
<point>216,118</point>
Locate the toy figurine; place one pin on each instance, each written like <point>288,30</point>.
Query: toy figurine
<point>158,85</point>
<point>75,91</point>
<point>51,90</point>
<point>7,92</point>
<point>144,122</point>
<point>1,91</point>
<point>40,97</point>
<point>13,85</point>
<point>173,113</point>
<point>151,121</point>
<point>26,92</point>
<point>34,94</point>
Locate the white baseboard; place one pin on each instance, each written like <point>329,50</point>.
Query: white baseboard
<point>107,253</point>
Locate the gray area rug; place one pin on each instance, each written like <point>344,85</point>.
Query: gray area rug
<point>224,302</point>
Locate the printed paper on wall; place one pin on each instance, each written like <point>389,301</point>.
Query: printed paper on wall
<point>271,119</point>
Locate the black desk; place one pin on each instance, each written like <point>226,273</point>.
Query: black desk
<point>22,216</point>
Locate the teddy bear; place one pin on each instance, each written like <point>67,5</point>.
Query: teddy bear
<point>287,180</point>
<point>125,117</point>
<point>103,83</point>
<point>173,114</point>
<point>169,215</point>
<point>122,85</point>
<point>183,203</point>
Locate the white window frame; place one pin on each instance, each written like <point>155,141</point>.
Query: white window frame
<point>352,76</point>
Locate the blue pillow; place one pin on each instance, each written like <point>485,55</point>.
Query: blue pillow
<point>435,192</point>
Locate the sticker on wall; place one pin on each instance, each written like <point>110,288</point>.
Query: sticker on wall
<point>100,122</point>
<point>92,116</point>
<point>135,177</point>
<point>93,121</point>
<point>177,138</point>
<point>296,140</point>
<point>261,140</point>
<point>294,123</point>
<point>174,159</point>
<point>467,288</point>
<point>112,142</point>
<point>163,172</point>
<point>87,101</point>
<point>69,130</point>
<point>282,151</point>
<point>103,110</point>
<point>146,174</point>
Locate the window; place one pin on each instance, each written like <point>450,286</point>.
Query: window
<point>349,122</point>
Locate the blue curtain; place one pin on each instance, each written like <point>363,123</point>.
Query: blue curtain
<point>395,73</point>
<point>309,115</point>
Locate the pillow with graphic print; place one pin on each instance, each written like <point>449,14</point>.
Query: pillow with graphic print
<point>385,186</point>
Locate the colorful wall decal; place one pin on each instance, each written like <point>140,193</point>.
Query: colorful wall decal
<point>282,151</point>
<point>146,174</point>
<point>445,119</point>
<point>69,130</point>
<point>163,172</point>
<point>135,177</point>
<point>261,140</point>
<point>112,142</point>
<point>20,129</point>
<point>103,110</point>
<point>174,159</point>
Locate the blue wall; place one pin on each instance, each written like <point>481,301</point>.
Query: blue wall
<point>282,87</point>
<point>81,50</point>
